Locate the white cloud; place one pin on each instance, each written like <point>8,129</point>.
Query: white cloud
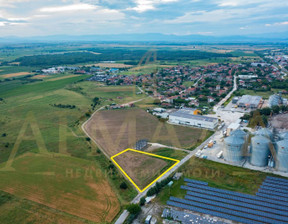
<point>11,3</point>
<point>277,24</point>
<point>67,8</point>
<point>146,5</point>
<point>243,28</point>
<point>236,3</point>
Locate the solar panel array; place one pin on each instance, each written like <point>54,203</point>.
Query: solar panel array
<point>268,200</point>
<point>270,205</point>
<point>246,204</point>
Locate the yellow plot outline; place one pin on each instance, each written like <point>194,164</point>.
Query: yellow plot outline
<point>146,153</point>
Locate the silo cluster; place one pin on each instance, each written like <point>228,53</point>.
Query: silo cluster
<point>266,149</point>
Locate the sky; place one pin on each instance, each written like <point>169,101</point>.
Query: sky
<point>178,17</point>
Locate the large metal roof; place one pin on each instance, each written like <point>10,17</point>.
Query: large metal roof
<point>247,99</point>
<point>184,113</point>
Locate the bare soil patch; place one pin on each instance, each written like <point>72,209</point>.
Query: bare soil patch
<point>280,121</point>
<point>141,168</point>
<point>117,130</point>
<point>11,75</point>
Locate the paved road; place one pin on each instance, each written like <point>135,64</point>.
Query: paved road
<point>216,107</point>
<point>122,217</point>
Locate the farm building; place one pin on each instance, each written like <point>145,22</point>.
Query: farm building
<point>141,144</point>
<point>188,117</point>
<point>249,102</point>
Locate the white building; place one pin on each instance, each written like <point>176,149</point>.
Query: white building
<point>184,117</point>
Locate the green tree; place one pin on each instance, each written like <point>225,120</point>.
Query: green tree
<point>142,201</point>
<point>123,186</point>
<point>133,209</point>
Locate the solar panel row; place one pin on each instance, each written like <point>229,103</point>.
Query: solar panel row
<point>278,198</point>
<point>276,182</point>
<point>213,213</point>
<point>275,185</point>
<point>239,203</point>
<point>274,189</point>
<point>277,179</point>
<point>269,200</point>
<point>274,193</point>
<point>223,210</point>
<point>237,208</point>
<point>195,181</point>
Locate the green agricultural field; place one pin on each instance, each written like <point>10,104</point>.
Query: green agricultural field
<point>109,94</point>
<point>11,71</point>
<point>38,134</point>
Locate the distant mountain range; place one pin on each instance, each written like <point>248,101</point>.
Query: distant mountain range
<point>152,37</point>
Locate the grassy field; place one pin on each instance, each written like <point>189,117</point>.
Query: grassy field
<point>217,175</point>
<point>116,130</point>
<point>264,94</point>
<point>31,126</point>
<point>170,153</point>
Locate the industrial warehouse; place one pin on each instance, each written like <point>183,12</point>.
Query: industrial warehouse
<point>187,117</point>
<point>249,102</point>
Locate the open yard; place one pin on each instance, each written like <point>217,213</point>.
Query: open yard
<point>141,168</point>
<point>116,130</point>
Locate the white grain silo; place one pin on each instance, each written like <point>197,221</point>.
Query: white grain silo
<point>233,151</point>
<point>282,155</point>
<point>259,151</point>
